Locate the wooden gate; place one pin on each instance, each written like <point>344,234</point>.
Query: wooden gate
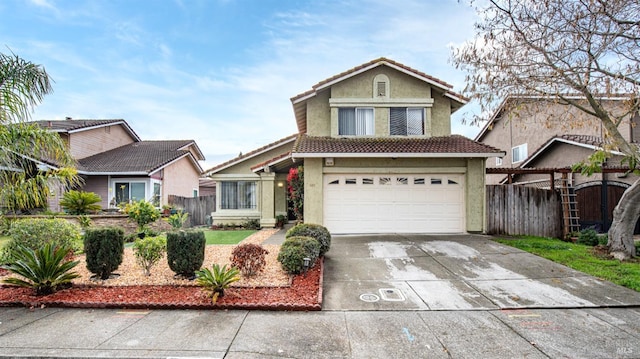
<point>596,202</point>
<point>520,210</point>
<point>197,207</point>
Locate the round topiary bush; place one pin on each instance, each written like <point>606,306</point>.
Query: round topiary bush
<point>294,250</point>
<point>249,258</point>
<point>104,250</point>
<point>185,252</point>
<point>316,231</point>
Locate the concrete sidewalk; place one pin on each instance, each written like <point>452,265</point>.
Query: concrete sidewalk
<point>385,297</point>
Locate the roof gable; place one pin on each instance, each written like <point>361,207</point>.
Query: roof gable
<point>299,101</point>
<point>252,154</point>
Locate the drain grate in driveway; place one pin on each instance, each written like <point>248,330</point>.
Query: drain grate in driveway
<point>391,294</point>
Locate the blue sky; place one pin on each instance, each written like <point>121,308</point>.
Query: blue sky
<point>221,72</point>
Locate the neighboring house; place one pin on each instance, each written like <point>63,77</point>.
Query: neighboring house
<point>378,157</point>
<point>556,136</point>
<point>117,165</point>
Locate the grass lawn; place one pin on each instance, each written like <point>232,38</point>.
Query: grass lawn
<point>581,257</point>
<point>218,237</point>
<point>3,240</point>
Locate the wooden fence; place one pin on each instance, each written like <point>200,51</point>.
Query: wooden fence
<point>520,210</point>
<point>197,207</point>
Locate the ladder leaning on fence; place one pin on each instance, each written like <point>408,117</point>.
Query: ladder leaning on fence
<point>571,218</point>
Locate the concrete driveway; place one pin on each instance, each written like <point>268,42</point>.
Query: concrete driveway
<point>454,272</point>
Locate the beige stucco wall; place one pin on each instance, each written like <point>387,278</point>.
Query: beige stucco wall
<point>244,167</point>
<point>475,195</point>
<point>472,168</point>
<point>180,179</point>
<point>322,118</point>
<point>87,143</point>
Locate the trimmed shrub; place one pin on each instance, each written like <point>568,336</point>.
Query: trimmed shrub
<point>80,202</point>
<point>249,258</point>
<point>318,232</point>
<point>45,269</point>
<point>603,239</point>
<point>149,251</point>
<point>294,250</point>
<point>104,249</point>
<point>185,252</point>
<point>142,212</point>
<point>36,232</point>
<point>588,237</point>
<point>251,224</point>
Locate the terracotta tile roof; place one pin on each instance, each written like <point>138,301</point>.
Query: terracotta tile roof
<point>454,144</point>
<point>138,157</point>
<point>250,154</point>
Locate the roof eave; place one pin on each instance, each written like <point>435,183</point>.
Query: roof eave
<point>399,155</point>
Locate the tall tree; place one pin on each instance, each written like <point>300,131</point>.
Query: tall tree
<point>26,147</point>
<point>573,52</point>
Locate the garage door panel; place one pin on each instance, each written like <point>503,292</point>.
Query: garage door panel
<point>394,203</point>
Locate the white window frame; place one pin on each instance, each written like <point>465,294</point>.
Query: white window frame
<point>368,124</point>
<point>498,161</point>
<point>148,188</point>
<point>406,119</point>
<point>253,204</point>
<point>519,153</point>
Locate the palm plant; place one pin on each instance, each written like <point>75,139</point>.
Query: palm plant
<point>218,280</point>
<point>80,202</point>
<point>45,269</point>
<point>25,183</point>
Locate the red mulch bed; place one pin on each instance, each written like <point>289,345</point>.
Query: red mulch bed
<point>305,293</point>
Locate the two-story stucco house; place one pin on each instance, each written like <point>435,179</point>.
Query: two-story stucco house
<point>378,157</point>
<point>539,133</point>
<point>117,165</point>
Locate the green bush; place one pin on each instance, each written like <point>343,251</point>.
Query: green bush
<point>104,249</point>
<point>251,224</point>
<point>603,239</point>
<point>142,212</point>
<point>318,232</point>
<point>36,232</point>
<point>149,251</point>
<point>294,250</point>
<point>588,237</point>
<point>178,219</point>
<point>185,252</point>
<point>44,269</point>
<point>218,280</point>
<point>249,258</point>
<point>80,202</point>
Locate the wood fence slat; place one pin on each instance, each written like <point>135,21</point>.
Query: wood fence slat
<point>197,207</point>
<point>520,210</point>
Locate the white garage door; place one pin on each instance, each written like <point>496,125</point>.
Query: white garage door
<point>394,203</point>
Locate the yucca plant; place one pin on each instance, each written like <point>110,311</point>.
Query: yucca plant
<point>44,269</point>
<point>218,280</point>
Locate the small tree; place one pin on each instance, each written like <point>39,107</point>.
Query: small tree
<point>295,193</point>
<point>143,213</point>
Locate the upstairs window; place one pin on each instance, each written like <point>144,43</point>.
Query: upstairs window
<point>355,121</point>
<point>405,121</point>
<point>519,153</point>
